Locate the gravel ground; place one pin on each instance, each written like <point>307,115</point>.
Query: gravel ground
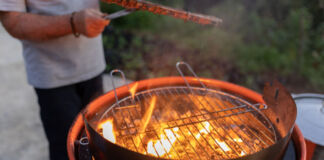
<point>20,126</point>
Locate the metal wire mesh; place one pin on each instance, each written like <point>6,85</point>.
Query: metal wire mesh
<point>191,123</point>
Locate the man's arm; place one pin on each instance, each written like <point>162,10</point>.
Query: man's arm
<point>28,26</point>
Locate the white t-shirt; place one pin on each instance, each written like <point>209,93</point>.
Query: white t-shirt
<point>62,61</point>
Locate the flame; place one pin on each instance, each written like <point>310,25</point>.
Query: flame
<point>238,140</point>
<point>150,148</point>
<point>133,90</point>
<point>172,139</point>
<point>148,114</point>
<point>167,139</point>
<point>108,130</point>
<point>164,145</point>
<point>205,129</point>
<point>223,145</point>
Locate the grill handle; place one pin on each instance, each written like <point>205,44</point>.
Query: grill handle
<point>193,73</point>
<point>113,82</point>
<point>115,91</point>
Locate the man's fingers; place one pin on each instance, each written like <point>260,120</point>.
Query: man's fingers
<point>97,13</point>
<point>93,32</point>
<point>106,22</point>
<point>93,22</point>
<point>105,15</point>
<point>97,27</point>
<point>102,22</point>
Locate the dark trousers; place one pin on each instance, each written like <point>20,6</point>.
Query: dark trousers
<point>59,107</point>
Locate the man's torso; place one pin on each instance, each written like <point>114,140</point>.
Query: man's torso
<point>65,60</point>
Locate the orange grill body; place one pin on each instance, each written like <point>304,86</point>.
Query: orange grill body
<point>109,98</point>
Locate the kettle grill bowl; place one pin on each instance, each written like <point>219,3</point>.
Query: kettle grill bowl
<point>102,148</point>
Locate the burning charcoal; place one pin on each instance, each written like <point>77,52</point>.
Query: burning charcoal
<point>137,122</point>
<point>256,141</point>
<point>132,131</point>
<point>183,106</point>
<point>180,125</point>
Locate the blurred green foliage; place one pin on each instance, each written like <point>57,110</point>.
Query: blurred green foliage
<point>258,41</point>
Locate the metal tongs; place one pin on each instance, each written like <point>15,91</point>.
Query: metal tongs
<point>120,13</point>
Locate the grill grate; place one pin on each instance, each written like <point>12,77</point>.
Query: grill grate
<point>192,123</point>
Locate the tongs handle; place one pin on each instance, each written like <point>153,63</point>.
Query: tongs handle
<point>120,13</point>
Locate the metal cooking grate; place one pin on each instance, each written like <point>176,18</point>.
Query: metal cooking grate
<point>236,127</point>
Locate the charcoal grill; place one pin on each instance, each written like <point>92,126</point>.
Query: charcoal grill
<point>217,121</point>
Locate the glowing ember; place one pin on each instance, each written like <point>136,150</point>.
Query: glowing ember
<point>238,140</point>
<point>205,129</point>
<point>108,131</point>
<point>163,145</point>
<point>223,145</point>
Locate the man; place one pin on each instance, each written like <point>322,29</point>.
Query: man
<point>63,55</point>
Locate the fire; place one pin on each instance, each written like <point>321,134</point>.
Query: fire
<point>242,153</point>
<point>238,140</point>
<point>148,114</point>
<point>133,90</point>
<point>177,135</point>
<point>108,130</point>
<point>205,129</point>
<point>223,145</point>
<point>164,145</point>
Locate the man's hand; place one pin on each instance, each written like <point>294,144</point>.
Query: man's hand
<point>34,27</point>
<point>90,22</point>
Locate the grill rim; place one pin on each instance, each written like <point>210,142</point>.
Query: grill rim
<point>108,98</point>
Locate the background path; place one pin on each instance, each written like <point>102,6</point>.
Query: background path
<point>20,127</point>
<point>21,133</point>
